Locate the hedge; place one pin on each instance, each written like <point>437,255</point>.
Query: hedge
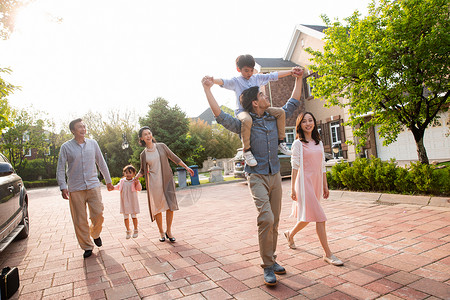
<point>374,175</point>
<point>40,183</point>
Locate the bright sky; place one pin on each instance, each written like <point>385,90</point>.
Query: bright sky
<point>120,55</point>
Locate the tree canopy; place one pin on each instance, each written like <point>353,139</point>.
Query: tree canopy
<point>170,126</point>
<point>26,132</point>
<point>111,133</point>
<point>8,9</point>
<point>217,141</point>
<point>392,65</point>
<point>5,110</point>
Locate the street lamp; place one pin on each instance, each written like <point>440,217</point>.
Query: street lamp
<point>335,149</point>
<point>125,144</point>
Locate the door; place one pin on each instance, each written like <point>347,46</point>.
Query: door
<point>10,209</point>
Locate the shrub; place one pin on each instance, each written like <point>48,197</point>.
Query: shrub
<point>353,177</point>
<point>402,182</point>
<point>332,184</point>
<point>115,180</point>
<point>40,183</point>
<point>335,173</point>
<point>37,169</point>
<point>385,175</point>
<point>376,175</point>
<point>420,174</point>
<point>440,181</point>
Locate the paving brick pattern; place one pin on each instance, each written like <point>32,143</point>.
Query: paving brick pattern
<point>390,252</point>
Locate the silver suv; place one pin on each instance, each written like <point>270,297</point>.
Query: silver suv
<point>14,222</point>
<point>239,163</point>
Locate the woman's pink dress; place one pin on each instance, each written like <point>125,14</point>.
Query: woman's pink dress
<point>308,208</point>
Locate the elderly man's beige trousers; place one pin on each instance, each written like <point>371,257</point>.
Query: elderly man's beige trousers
<point>78,201</point>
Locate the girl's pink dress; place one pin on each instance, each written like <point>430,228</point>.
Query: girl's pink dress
<point>129,203</point>
<point>308,158</point>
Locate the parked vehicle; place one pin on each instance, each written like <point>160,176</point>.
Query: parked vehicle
<point>239,164</point>
<point>285,163</point>
<point>14,221</point>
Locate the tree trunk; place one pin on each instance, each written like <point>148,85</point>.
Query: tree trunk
<point>421,151</point>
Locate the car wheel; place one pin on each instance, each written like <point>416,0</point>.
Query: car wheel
<point>25,222</point>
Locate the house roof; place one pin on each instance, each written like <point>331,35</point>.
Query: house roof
<point>267,64</point>
<point>315,31</point>
<point>208,115</point>
<point>316,27</point>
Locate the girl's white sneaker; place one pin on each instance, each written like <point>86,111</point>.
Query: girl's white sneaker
<point>128,234</point>
<point>135,233</point>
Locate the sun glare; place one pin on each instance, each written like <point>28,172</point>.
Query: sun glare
<point>33,17</point>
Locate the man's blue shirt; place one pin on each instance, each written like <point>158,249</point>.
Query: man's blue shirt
<point>263,137</point>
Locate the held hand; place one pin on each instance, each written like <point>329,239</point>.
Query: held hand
<point>293,196</point>
<point>298,72</point>
<point>136,182</point>
<point>65,194</point>
<point>191,172</point>
<point>110,187</point>
<point>326,193</point>
<point>207,82</point>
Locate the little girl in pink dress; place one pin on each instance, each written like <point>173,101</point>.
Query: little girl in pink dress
<point>309,183</point>
<point>129,203</point>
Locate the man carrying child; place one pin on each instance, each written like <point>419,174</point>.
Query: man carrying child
<point>264,179</point>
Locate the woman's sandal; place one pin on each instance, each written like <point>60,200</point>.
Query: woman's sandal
<point>172,239</point>
<point>162,238</point>
<point>291,243</point>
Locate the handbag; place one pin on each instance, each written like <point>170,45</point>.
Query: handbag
<point>9,282</point>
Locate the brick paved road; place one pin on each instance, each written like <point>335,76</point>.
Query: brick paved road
<point>392,252</point>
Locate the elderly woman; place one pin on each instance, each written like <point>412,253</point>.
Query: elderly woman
<point>159,180</point>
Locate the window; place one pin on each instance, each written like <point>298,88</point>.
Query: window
<point>307,88</point>
<point>26,139</point>
<point>335,131</point>
<point>47,150</point>
<point>290,135</point>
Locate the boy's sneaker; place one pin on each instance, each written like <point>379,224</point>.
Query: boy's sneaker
<point>284,149</point>
<point>250,159</point>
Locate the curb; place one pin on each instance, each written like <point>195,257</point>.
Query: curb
<point>391,199</point>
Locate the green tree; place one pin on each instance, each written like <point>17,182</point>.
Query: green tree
<point>5,110</point>
<point>26,132</point>
<point>202,132</point>
<point>216,140</point>
<point>111,136</point>
<point>8,9</point>
<point>51,151</point>
<point>170,126</point>
<point>392,64</point>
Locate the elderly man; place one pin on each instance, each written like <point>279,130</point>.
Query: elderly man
<point>82,156</point>
<point>264,179</point>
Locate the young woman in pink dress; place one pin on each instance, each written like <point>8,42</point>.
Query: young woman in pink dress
<point>309,183</point>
